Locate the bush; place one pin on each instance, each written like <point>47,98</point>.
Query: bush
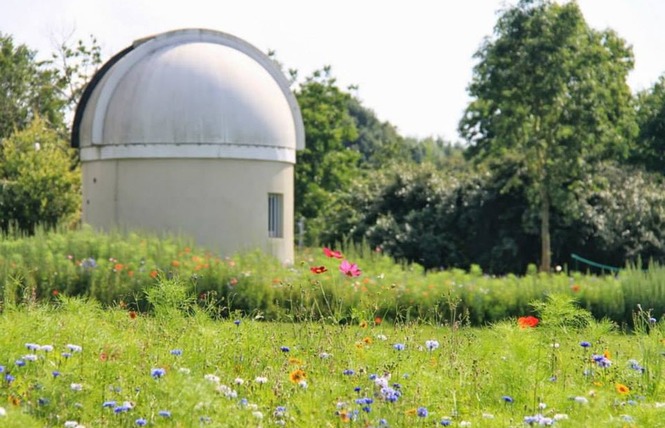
<point>39,180</point>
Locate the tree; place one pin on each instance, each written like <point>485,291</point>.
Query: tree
<point>549,94</point>
<point>28,88</point>
<point>39,182</point>
<point>649,149</point>
<point>326,164</point>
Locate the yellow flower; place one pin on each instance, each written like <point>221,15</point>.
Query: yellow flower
<point>367,340</point>
<point>363,324</point>
<point>294,361</point>
<point>607,354</point>
<point>297,375</point>
<point>622,389</point>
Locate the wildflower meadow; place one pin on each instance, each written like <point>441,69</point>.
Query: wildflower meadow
<point>110,330</point>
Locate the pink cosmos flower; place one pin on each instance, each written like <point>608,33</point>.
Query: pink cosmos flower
<point>349,269</point>
<point>332,253</point>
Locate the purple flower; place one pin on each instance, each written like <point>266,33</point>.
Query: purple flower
<point>285,349</point>
<point>141,422</point>
<point>422,412</point>
<point>585,344</point>
<point>20,363</point>
<point>164,413</point>
<point>236,322</point>
<point>109,404</point>
<point>157,373</point>
<point>507,398</point>
<point>445,422</point>
<point>176,352</point>
<point>349,372</point>
<point>399,346</point>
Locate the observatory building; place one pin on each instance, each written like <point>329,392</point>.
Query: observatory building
<point>191,132</point>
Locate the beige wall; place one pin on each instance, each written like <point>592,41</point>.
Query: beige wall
<point>221,203</point>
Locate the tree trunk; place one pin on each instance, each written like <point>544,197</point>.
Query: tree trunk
<point>545,247</point>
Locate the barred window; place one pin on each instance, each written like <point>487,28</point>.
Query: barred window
<point>275,215</point>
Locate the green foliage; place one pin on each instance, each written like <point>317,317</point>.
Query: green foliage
<point>105,368</point>
<point>326,164</point>
<point>146,274</point>
<point>74,64</point>
<point>649,148</point>
<point>549,95</point>
<point>39,182</point>
<point>28,89</point>
<point>560,312</point>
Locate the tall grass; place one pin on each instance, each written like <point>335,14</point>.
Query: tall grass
<point>121,269</point>
<point>72,363</point>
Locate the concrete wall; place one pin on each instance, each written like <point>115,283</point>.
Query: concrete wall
<point>221,203</point>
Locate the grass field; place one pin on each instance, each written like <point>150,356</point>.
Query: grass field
<point>123,331</point>
<point>72,363</point>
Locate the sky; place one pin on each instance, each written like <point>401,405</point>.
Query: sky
<point>412,61</point>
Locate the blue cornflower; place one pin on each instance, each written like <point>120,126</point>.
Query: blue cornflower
<point>390,395</point>
<point>399,346</point>
<point>20,363</point>
<point>585,344</point>
<point>176,352</point>
<point>601,360</point>
<point>636,366</point>
<point>366,409</point>
<point>55,373</point>
<point>397,386</point>
<point>372,376</point>
<point>66,354</point>
<point>279,411</point>
<point>109,404</point>
<point>364,400</point>
<point>383,422</point>
<point>349,372</point>
<point>164,413</point>
<point>422,412</point>
<point>446,422</point>
<point>9,378</point>
<point>285,349</point>
<point>507,398</point>
<point>32,346</point>
<point>431,345</point>
<point>157,373</point>
<point>357,389</point>
<point>89,263</point>
<point>2,369</point>
<point>141,422</point>
<point>236,322</point>
<point>653,320</point>
<point>74,348</point>
<point>244,402</point>
<point>121,409</point>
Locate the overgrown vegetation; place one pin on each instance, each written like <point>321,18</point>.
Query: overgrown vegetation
<point>69,363</point>
<point>116,269</point>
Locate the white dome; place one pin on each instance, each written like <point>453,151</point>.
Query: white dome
<point>192,94</point>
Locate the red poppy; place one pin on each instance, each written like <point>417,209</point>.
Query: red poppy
<point>55,293</point>
<point>332,253</point>
<point>318,269</point>
<point>132,314</point>
<point>527,322</point>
